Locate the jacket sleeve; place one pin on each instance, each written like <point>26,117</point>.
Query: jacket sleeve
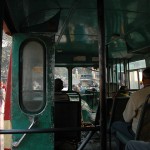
<point>129,111</point>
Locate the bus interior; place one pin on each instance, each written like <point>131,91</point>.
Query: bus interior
<point>94,47</point>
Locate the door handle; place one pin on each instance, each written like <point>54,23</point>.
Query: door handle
<point>17,143</point>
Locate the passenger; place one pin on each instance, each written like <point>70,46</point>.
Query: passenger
<point>75,88</point>
<point>59,95</point>
<point>122,92</point>
<point>132,111</point>
<point>137,145</point>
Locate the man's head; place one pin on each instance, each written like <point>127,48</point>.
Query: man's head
<point>58,85</point>
<point>146,76</point>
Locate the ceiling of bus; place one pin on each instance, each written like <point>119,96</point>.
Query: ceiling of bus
<point>75,24</point>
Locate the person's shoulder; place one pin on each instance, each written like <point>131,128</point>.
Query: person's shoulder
<point>145,89</point>
<point>140,93</point>
<point>135,95</point>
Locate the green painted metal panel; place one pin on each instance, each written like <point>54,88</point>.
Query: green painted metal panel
<point>20,120</point>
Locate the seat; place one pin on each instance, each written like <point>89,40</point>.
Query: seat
<point>143,127</point>
<point>119,102</point>
<point>144,123</point>
<point>61,96</point>
<point>67,114</point>
<point>118,106</point>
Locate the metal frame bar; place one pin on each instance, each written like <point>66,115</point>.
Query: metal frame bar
<point>88,137</point>
<point>120,71</point>
<point>48,130</point>
<point>129,73</point>
<point>102,66</point>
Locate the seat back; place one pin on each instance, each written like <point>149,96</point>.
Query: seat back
<point>61,96</point>
<point>109,107</point>
<point>144,122</point>
<point>67,114</point>
<point>118,106</point>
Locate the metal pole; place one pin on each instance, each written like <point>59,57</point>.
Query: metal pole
<point>125,72</point>
<point>128,74</point>
<point>108,80</point>
<point>102,66</point>
<point>112,73</point>
<point>120,73</point>
<point>138,78</point>
<point>116,76</point>
<point>108,74</point>
<point>70,78</point>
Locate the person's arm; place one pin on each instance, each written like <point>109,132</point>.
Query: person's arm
<point>137,145</point>
<point>129,111</point>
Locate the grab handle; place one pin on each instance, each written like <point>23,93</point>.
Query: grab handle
<point>17,143</point>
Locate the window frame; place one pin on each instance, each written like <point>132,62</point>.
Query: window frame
<point>23,108</point>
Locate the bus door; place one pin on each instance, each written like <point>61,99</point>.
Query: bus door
<point>32,90</point>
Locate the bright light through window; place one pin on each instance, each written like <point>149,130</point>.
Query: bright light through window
<point>135,76</point>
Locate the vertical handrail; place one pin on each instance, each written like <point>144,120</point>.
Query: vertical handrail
<point>102,75</point>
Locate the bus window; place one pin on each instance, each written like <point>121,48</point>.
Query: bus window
<point>137,64</point>
<point>133,80</point>
<point>32,74</point>
<point>135,73</point>
<point>62,73</point>
<point>84,79</point>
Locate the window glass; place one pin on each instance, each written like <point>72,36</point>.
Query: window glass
<point>33,91</point>
<point>62,73</point>
<point>133,80</point>
<point>118,74</point>
<point>140,78</point>
<point>85,79</point>
<point>135,73</point>
<point>136,79</point>
<point>137,64</point>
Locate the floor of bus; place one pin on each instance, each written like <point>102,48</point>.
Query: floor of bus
<point>94,143</point>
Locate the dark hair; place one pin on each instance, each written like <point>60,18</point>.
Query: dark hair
<point>58,85</point>
<point>123,88</point>
<point>146,73</point>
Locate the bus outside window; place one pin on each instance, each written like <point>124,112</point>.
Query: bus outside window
<point>135,74</point>
<point>62,73</point>
<point>85,79</point>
